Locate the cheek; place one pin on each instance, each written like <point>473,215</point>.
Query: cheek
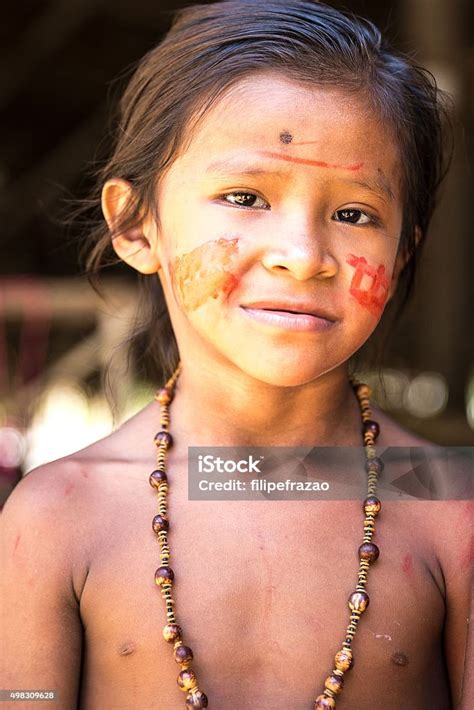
<point>205,273</point>
<point>369,285</point>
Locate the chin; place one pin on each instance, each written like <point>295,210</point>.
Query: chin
<point>287,371</point>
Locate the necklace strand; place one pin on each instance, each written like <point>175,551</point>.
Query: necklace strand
<point>164,576</point>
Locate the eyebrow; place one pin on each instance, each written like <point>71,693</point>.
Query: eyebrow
<point>232,167</point>
<point>377,185</point>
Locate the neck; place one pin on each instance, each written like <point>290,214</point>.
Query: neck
<point>232,409</point>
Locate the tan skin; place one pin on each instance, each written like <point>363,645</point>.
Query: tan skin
<point>262,586</point>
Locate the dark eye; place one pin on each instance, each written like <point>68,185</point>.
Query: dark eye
<point>245,199</point>
<point>352,216</point>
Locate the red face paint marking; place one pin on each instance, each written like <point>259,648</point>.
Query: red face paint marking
<point>69,488</point>
<point>407,564</point>
<point>469,555</point>
<point>306,161</point>
<point>373,296</point>
<point>204,273</point>
<point>305,143</point>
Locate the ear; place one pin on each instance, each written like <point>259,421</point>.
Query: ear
<point>135,246</point>
<point>400,262</point>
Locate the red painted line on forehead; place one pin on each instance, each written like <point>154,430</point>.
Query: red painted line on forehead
<point>304,143</point>
<point>306,161</point>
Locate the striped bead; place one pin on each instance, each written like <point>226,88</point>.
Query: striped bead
<point>196,699</point>
<point>163,437</point>
<point>172,632</point>
<point>371,427</point>
<point>358,601</point>
<point>164,575</point>
<point>376,464</point>
<point>160,523</point>
<point>334,683</point>
<point>157,477</point>
<point>372,505</point>
<point>369,551</point>
<point>324,703</point>
<point>187,679</point>
<point>343,659</point>
<point>164,396</point>
<point>183,655</point>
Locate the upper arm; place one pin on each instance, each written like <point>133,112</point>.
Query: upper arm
<point>40,621</point>
<point>457,565</point>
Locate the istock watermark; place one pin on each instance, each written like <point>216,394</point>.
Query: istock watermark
<point>211,464</point>
<point>328,473</point>
<point>249,473</point>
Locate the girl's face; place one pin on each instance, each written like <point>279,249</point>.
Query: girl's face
<point>287,199</point>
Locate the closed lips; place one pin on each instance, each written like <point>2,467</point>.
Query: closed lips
<point>295,308</point>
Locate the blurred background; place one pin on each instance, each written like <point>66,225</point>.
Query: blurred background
<point>64,63</point>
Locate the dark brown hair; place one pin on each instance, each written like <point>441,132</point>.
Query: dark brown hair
<point>210,47</point>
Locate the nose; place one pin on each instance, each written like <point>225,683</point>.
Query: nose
<point>303,255</point>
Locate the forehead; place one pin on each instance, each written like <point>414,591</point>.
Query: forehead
<point>327,124</point>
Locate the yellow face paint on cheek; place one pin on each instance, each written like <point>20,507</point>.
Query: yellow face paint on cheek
<point>204,273</point>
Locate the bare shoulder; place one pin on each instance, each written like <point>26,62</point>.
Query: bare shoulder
<point>66,483</point>
<point>51,515</point>
<point>446,473</point>
<point>442,515</point>
<point>440,481</point>
<point>394,434</point>
<point>55,489</point>
<point>48,535</point>
<point>69,496</point>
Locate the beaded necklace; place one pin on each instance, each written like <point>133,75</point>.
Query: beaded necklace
<point>164,576</point>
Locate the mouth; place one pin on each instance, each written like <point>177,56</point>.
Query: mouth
<point>288,319</point>
<point>295,307</point>
<point>298,313</point>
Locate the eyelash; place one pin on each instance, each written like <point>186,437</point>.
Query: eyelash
<point>244,207</point>
<point>372,220</point>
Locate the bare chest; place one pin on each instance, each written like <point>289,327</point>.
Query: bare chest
<point>261,593</point>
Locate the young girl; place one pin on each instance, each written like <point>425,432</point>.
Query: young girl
<point>273,179</point>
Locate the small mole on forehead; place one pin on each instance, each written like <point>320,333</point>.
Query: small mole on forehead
<point>285,137</point>
<point>399,658</point>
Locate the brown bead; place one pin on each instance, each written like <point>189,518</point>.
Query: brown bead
<point>322,701</point>
<point>358,601</point>
<point>183,655</point>
<point>157,477</point>
<point>362,391</point>
<point>196,699</point>
<point>187,679</point>
<point>369,551</point>
<point>163,437</point>
<point>334,683</point>
<point>372,505</point>
<point>164,575</point>
<point>371,427</point>
<point>375,464</point>
<point>172,632</point>
<point>344,659</point>
<point>164,396</point>
<point>160,523</point>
